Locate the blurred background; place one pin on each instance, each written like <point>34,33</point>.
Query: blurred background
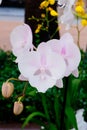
<point>12,13</point>
<point>12,3</point>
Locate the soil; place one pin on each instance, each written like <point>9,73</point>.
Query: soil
<point>17,126</point>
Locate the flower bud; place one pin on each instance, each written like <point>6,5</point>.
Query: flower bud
<point>18,107</point>
<point>7,89</point>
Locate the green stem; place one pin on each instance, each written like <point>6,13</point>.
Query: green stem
<point>64,104</point>
<point>12,79</point>
<point>78,35</point>
<point>26,84</point>
<point>44,103</point>
<point>47,22</point>
<point>53,34</point>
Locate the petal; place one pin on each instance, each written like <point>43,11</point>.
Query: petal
<point>28,63</point>
<point>74,57</point>
<point>75,73</point>
<point>67,37</point>
<point>55,62</point>
<point>42,85</point>
<point>21,77</point>
<point>21,37</point>
<point>56,65</point>
<point>59,83</point>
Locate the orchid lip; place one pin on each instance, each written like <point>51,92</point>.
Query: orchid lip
<point>43,71</point>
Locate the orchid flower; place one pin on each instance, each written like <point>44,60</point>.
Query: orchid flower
<point>82,125</point>
<point>21,39</point>
<point>0,1</point>
<point>42,68</point>
<point>68,17</point>
<point>69,51</point>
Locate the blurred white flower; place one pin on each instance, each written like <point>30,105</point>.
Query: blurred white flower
<point>0,1</point>
<point>21,39</point>
<point>82,125</point>
<point>68,17</point>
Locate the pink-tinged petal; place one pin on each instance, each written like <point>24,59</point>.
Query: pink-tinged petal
<point>28,63</point>
<point>21,38</point>
<point>21,77</point>
<point>54,61</point>
<point>67,37</point>
<point>17,52</point>
<point>59,83</point>
<point>42,83</point>
<point>44,48</point>
<point>68,72</point>
<point>74,57</point>
<point>68,50</point>
<point>57,66</point>
<point>75,73</point>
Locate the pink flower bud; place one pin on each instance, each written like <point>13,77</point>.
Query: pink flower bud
<point>7,89</point>
<point>18,107</point>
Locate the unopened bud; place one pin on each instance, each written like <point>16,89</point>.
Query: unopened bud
<point>18,107</point>
<point>7,89</point>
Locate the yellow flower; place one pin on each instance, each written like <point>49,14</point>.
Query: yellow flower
<point>49,9</point>
<point>51,2</point>
<point>79,9</point>
<point>53,13</point>
<point>84,22</point>
<point>43,15</point>
<point>38,28</point>
<point>80,3</point>
<point>44,4</point>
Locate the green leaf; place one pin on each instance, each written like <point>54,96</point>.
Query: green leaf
<point>32,93</point>
<point>57,110</point>
<point>72,90</point>
<point>29,118</point>
<point>51,126</point>
<point>71,117</point>
<point>75,85</point>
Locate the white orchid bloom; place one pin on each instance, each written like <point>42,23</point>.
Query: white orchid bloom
<point>0,1</point>
<point>42,68</point>
<point>82,125</point>
<point>21,39</point>
<point>68,17</point>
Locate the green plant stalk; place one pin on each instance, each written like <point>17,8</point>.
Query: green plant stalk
<point>47,21</point>
<point>45,107</point>
<point>54,34</point>
<point>56,108</point>
<point>64,104</point>
<point>13,79</point>
<point>78,34</point>
<point>31,116</point>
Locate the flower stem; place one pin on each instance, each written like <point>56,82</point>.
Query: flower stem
<point>45,106</point>
<point>78,34</point>
<point>13,79</point>
<point>64,104</point>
